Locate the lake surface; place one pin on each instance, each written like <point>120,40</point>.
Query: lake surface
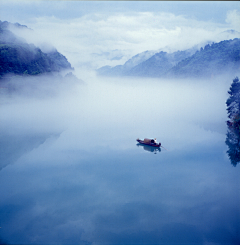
<point>72,173</point>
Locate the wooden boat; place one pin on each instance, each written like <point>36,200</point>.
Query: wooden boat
<point>150,142</point>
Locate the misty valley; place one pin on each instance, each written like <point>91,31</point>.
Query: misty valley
<point>72,172</point>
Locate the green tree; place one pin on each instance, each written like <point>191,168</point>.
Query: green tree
<point>233,102</point>
<point>233,134</point>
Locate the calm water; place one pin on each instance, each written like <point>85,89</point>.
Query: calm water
<point>72,173</point>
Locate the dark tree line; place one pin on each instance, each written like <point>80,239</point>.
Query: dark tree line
<point>233,134</point>
<point>17,57</point>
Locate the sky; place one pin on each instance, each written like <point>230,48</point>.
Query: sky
<point>96,33</point>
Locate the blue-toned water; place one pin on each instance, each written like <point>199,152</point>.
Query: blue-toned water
<point>72,172</point>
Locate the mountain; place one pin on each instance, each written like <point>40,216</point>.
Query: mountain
<point>21,58</point>
<point>122,70</point>
<point>159,63</point>
<point>148,64</point>
<point>214,59</point>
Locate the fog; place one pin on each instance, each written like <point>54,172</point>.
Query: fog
<point>79,39</point>
<point>108,35</point>
<point>72,173</point>
<point>134,107</point>
<point>113,112</point>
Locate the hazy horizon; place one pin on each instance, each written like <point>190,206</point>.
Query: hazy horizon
<point>92,34</point>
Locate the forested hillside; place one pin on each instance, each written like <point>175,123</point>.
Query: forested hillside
<point>21,58</point>
<point>215,59</point>
<point>148,64</point>
<point>212,60</point>
<point>122,70</point>
<point>159,64</point>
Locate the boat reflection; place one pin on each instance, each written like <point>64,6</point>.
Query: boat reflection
<point>233,143</point>
<point>149,148</point>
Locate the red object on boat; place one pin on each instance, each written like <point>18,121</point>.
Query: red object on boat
<point>150,142</point>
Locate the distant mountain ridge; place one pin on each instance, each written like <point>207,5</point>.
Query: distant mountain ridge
<point>122,70</point>
<point>213,59</point>
<point>148,63</point>
<point>20,58</point>
<point>159,63</point>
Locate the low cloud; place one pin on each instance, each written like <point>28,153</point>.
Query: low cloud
<point>233,18</point>
<point>130,32</point>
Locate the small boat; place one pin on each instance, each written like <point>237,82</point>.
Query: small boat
<point>150,142</point>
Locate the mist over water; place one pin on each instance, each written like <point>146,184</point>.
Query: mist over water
<point>118,110</point>
<point>72,173</point>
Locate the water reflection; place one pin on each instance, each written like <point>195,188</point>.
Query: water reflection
<point>233,143</point>
<point>63,192</point>
<point>149,148</point>
<point>12,147</point>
